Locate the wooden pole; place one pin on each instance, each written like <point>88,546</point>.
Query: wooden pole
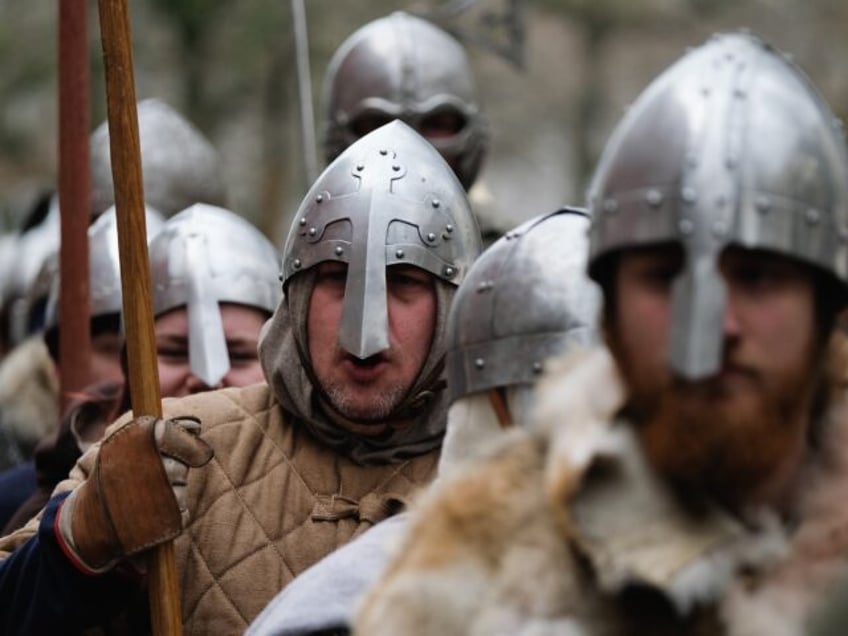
<point>74,199</point>
<point>143,377</point>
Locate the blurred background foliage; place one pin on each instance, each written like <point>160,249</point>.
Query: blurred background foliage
<point>554,75</point>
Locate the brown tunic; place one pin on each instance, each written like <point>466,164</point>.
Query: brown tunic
<point>271,503</point>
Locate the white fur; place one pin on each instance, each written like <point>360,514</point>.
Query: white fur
<point>491,550</point>
<point>29,389</point>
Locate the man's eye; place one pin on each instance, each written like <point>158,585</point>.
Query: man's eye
<point>171,352</point>
<point>400,279</point>
<point>337,276</point>
<point>660,275</point>
<point>758,277</point>
<point>242,356</point>
<point>442,124</point>
<point>367,122</point>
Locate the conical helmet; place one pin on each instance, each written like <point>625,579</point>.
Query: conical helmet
<point>179,165</point>
<point>104,267</point>
<point>404,67</point>
<point>525,299</point>
<point>203,256</point>
<point>730,145</point>
<point>389,199</point>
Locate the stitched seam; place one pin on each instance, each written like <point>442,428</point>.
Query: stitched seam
<point>215,583</point>
<point>265,434</point>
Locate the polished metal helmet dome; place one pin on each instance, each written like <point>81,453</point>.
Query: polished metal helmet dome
<point>179,165</point>
<point>389,199</point>
<point>730,145</point>
<point>203,256</point>
<point>29,278</point>
<point>104,267</point>
<point>8,256</point>
<point>524,300</point>
<point>404,67</point>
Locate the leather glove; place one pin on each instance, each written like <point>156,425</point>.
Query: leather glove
<point>134,498</point>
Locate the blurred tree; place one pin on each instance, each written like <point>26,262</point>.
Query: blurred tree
<point>600,20</point>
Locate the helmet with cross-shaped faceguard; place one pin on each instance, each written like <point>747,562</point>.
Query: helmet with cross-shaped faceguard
<point>389,199</point>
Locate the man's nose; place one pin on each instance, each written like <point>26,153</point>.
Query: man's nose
<point>196,385</point>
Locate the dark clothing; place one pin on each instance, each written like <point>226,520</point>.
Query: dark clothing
<point>56,454</point>
<point>16,485</point>
<point>53,459</point>
<point>44,593</point>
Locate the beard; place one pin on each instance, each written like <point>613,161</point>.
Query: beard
<point>738,446</point>
<point>344,401</point>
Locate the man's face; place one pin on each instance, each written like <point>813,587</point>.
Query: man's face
<point>241,331</point>
<point>369,390</point>
<point>744,428</point>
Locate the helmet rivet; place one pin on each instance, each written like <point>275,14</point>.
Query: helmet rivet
<point>812,216</point>
<point>431,237</point>
<point>319,199</point>
<point>485,286</point>
<point>449,272</point>
<point>399,253</point>
<point>689,195</point>
<point>297,263</point>
<point>610,206</point>
<point>303,219</point>
<point>339,250</point>
<point>479,363</point>
<point>281,277</point>
<point>686,226</point>
<point>762,204</point>
<point>360,167</point>
<point>396,167</point>
<point>449,228</point>
<point>384,152</point>
<point>313,231</point>
<point>537,367</point>
<point>654,198</point>
<point>436,203</point>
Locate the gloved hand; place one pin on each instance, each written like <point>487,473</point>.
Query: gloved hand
<point>134,498</point>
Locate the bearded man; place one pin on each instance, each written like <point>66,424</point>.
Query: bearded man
<point>689,479</point>
<point>347,425</point>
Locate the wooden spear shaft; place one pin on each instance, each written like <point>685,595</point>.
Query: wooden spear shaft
<point>143,378</point>
<point>74,199</point>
